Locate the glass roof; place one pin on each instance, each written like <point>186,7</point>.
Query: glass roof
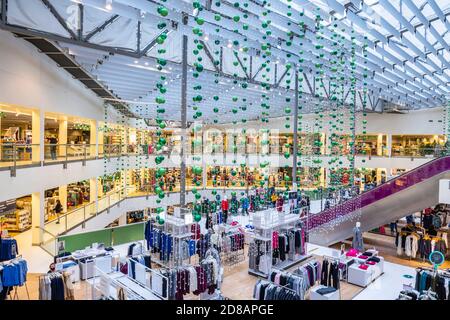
<point>408,60</point>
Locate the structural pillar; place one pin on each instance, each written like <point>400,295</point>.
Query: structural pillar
<point>380,145</point>
<point>62,195</point>
<point>93,192</point>
<point>295,142</point>
<point>183,121</point>
<point>204,173</point>
<point>389,144</point>
<point>62,137</point>
<point>123,220</point>
<point>38,139</point>
<point>37,217</point>
<point>93,139</point>
<point>100,138</point>
<point>323,143</point>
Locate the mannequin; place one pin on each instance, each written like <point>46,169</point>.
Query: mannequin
<point>357,242</point>
<point>245,203</point>
<point>225,206</point>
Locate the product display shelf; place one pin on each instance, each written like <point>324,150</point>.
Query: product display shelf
<point>265,223</point>
<point>180,231</point>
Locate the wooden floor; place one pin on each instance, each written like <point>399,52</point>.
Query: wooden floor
<point>237,284</point>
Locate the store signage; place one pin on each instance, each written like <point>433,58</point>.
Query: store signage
<point>7,206</point>
<point>293,195</point>
<point>436,258</point>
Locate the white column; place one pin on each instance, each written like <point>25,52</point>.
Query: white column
<point>124,139</point>
<point>62,195</point>
<point>389,144</point>
<point>323,141</point>
<point>123,220</point>
<point>93,139</point>
<point>323,183</point>
<point>38,139</point>
<point>380,144</point>
<point>204,173</point>
<point>62,137</point>
<point>93,192</point>
<point>37,217</point>
<point>328,177</point>
<point>100,137</point>
<point>100,192</point>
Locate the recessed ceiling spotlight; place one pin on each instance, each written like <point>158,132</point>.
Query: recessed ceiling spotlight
<point>206,38</point>
<point>108,5</point>
<point>146,63</point>
<point>229,45</point>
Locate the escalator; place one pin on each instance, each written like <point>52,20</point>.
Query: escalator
<point>408,193</point>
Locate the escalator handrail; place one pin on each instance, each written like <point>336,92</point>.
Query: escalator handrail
<point>366,197</point>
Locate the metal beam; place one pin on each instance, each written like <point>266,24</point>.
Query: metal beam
<point>81,20</point>
<point>4,9</point>
<point>295,146</point>
<point>152,43</point>
<point>210,56</point>
<point>183,123</point>
<point>50,36</point>
<point>281,78</point>
<point>257,72</point>
<point>241,64</point>
<point>58,17</point>
<point>101,27</point>
<point>324,89</point>
<point>138,37</point>
<point>311,90</point>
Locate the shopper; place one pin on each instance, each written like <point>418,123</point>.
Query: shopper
<point>245,205</point>
<point>410,219</point>
<point>58,208</point>
<point>53,145</point>
<point>393,227</point>
<point>274,199</point>
<point>52,268</point>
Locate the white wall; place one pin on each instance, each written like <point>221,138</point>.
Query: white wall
<point>414,122</point>
<point>30,79</point>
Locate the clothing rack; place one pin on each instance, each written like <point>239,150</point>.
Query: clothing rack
<point>148,282</point>
<point>338,260</point>
<point>7,262</point>
<point>434,274</point>
<point>285,287</point>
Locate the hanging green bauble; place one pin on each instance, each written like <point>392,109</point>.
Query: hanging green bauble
<point>197,217</point>
<point>197,170</point>
<point>159,159</point>
<point>161,221</point>
<point>163,11</point>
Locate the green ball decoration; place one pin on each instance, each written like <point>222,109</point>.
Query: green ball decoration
<point>163,11</point>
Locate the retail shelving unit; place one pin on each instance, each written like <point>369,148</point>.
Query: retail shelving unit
<point>265,223</point>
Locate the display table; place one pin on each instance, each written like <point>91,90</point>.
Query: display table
<point>314,295</point>
<point>363,278</point>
